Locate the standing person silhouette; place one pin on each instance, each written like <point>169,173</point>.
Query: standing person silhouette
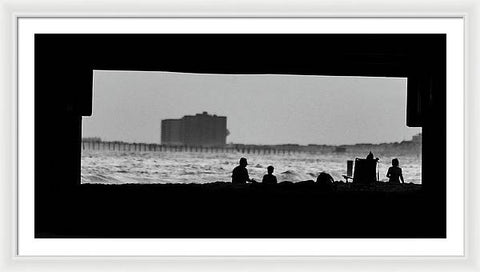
<point>394,173</point>
<point>269,178</point>
<point>240,173</point>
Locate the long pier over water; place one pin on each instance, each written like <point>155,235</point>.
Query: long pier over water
<point>232,148</point>
<point>395,149</point>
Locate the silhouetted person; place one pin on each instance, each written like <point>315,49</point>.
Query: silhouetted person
<point>325,181</point>
<point>240,173</point>
<point>370,156</point>
<point>269,178</point>
<point>394,173</point>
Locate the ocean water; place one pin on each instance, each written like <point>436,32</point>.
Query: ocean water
<point>120,167</point>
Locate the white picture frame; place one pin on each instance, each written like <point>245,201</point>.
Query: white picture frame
<point>13,262</point>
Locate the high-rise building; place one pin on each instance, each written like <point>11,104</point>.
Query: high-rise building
<point>417,138</point>
<point>172,132</point>
<point>195,130</point>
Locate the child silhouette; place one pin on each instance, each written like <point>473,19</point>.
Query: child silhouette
<point>269,178</point>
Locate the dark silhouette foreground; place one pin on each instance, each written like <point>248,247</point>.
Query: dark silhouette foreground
<point>255,210</point>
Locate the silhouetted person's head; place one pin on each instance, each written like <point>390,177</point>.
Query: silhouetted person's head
<point>243,162</point>
<point>324,178</point>
<point>270,169</point>
<point>395,162</point>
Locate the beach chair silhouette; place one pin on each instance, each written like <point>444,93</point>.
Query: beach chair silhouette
<point>364,171</point>
<point>349,174</point>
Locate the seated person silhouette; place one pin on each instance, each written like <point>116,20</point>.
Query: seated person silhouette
<point>370,156</point>
<point>394,173</point>
<point>240,173</point>
<point>269,178</point>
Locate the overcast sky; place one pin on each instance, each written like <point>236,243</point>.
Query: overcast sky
<point>260,109</point>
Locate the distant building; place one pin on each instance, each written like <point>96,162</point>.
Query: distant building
<point>172,132</point>
<point>195,130</point>
<point>417,138</point>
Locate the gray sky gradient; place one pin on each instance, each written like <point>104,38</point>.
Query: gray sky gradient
<point>260,109</point>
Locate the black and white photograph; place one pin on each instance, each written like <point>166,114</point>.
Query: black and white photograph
<point>240,136</point>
